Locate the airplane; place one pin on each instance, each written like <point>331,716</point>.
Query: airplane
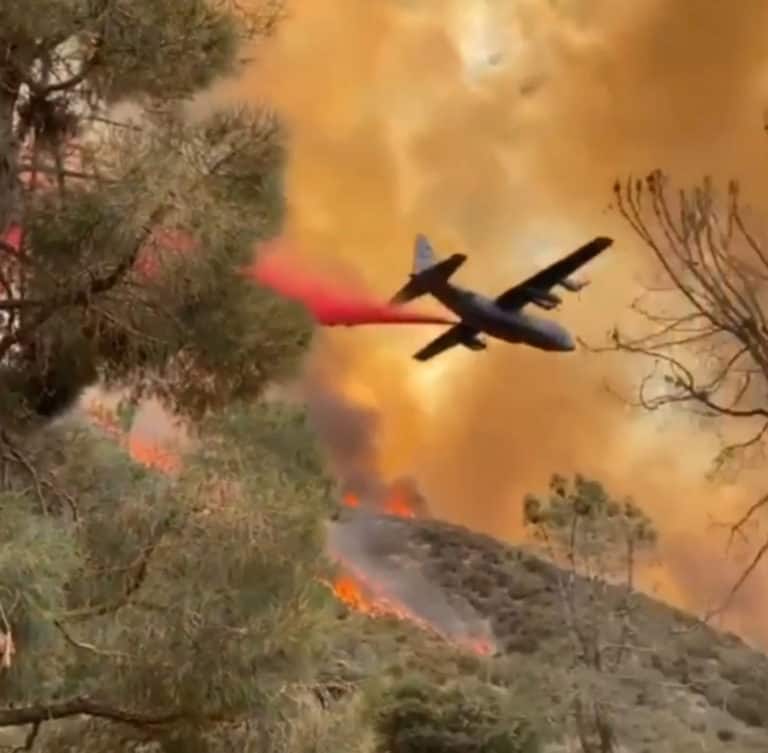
<point>502,317</point>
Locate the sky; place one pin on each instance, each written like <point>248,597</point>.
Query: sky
<point>498,128</point>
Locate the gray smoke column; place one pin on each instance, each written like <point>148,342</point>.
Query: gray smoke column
<point>347,434</point>
<point>371,541</point>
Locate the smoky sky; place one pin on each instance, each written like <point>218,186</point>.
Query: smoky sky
<point>498,130</point>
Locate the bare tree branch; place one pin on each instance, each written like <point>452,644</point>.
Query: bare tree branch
<point>705,329</point>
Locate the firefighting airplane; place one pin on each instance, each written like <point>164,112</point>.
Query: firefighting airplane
<point>502,317</point>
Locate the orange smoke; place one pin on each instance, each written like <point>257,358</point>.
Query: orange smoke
<point>498,131</point>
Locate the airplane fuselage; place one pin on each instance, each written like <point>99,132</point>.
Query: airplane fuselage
<point>515,326</point>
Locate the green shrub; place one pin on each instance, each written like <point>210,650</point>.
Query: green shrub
<point>467,716</point>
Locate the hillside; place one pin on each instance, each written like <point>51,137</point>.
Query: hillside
<point>683,686</point>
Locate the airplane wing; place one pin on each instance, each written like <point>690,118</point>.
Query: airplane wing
<point>521,294</point>
<point>459,334</point>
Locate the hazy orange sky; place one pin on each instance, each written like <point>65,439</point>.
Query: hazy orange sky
<point>498,129</point>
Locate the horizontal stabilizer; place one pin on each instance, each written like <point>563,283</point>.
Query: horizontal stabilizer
<point>574,285</point>
<point>427,279</point>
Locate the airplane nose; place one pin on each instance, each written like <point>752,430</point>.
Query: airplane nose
<point>567,342</point>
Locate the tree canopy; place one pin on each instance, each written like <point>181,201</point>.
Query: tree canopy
<point>701,324</point>
<point>159,602</point>
<point>126,220</point>
<point>153,607</point>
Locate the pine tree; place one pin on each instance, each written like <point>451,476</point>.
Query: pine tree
<point>164,607</point>
<point>125,220</point>
<point>135,605</point>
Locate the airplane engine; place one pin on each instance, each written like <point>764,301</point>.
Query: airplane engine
<point>477,343</point>
<point>573,285</point>
<point>545,299</point>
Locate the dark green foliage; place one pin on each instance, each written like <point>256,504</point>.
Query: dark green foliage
<point>417,716</point>
<point>131,48</point>
<point>196,596</point>
<point>199,593</point>
<point>197,333</point>
<point>135,247</point>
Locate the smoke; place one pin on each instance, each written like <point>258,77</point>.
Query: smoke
<point>377,548</point>
<point>498,130</point>
<point>348,432</point>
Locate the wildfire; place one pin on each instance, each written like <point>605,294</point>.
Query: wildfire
<point>153,455</point>
<point>361,593</point>
<point>399,507</point>
<point>352,587</point>
<point>396,504</point>
<point>149,454</point>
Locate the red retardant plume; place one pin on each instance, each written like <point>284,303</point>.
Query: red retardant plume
<point>330,302</point>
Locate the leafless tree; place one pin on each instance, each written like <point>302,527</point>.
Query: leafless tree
<point>596,539</point>
<point>703,323</point>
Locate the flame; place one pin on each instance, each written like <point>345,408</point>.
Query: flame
<point>362,594</point>
<point>352,587</point>
<point>395,504</point>
<point>153,455</point>
<point>350,499</point>
<point>398,506</point>
<point>147,453</point>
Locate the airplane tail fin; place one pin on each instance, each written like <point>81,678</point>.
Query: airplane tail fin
<point>427,271</point>
<point>423,254</point>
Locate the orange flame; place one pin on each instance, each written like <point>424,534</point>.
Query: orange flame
<point>149,454</point>
<point>396,504</point>
<point>153,455</point>
<point>351,500</point>
<point>351,588</point>
<point>362,594</point>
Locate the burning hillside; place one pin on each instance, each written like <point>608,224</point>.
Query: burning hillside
<point>362,584</point>
<point>478,594</point>
<point>682,686</point>
<point>373,581</point>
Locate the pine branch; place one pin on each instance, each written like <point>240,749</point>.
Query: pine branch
<point>13,717</point>
<point>134,582</point>
<point>83,295</point>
